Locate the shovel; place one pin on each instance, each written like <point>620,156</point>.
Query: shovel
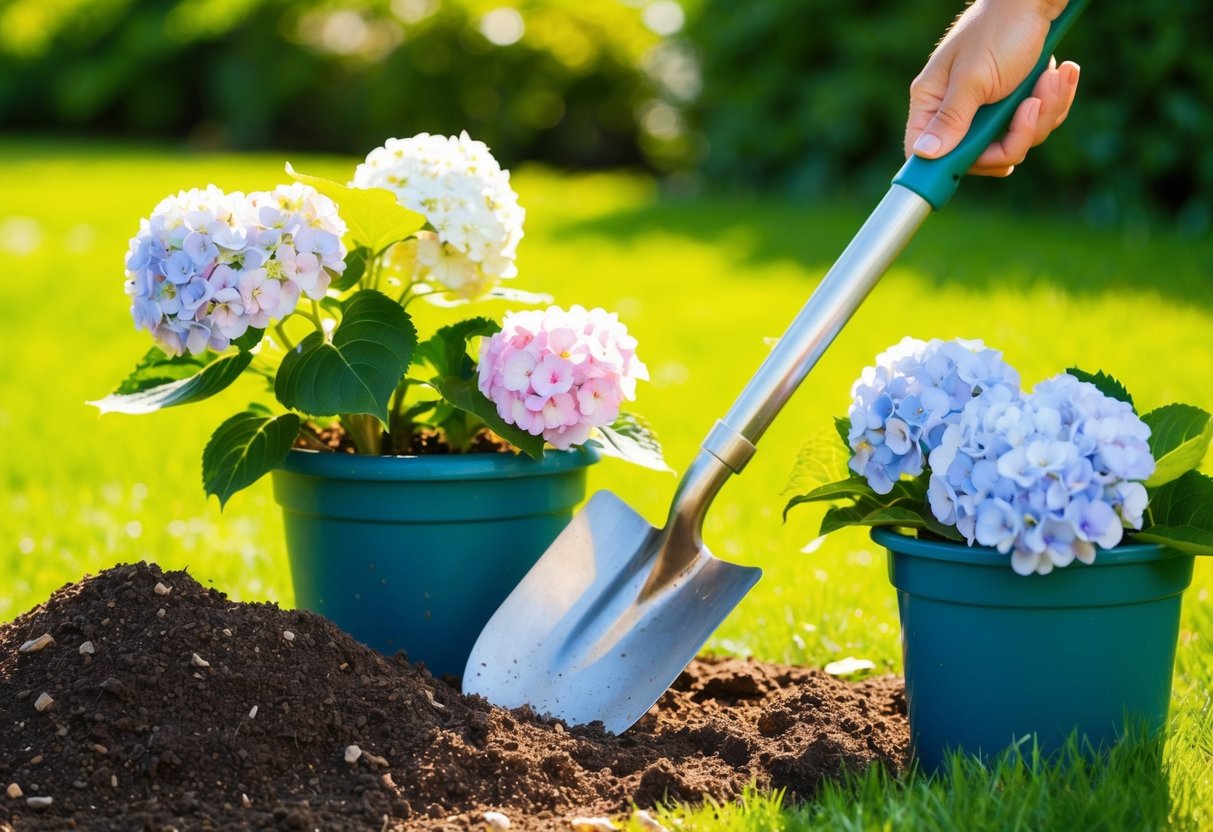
<point>615,609</point>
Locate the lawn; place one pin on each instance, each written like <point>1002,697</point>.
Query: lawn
<point>703,284</point>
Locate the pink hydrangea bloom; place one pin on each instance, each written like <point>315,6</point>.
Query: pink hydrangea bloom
<point>560,374</point>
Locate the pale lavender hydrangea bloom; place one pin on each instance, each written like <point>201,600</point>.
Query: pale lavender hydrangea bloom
<point>464,194</point>
<point>206,265</point>
<point>1047,477</point>
<point>901,406</point>
<point>558,373</point>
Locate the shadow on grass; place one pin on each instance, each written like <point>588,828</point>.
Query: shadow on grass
<point>962,246</point>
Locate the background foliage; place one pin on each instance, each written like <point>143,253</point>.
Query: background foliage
<point>805,97</point>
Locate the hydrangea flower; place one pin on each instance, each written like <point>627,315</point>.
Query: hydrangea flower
<point>1047,477</point>
<point>473,213</point>
<point>558,373</point>
<point>901,406</point>
<point>206,265</point>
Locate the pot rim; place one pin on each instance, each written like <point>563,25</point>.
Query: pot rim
<point>957,552</point>
<point>312,463</point>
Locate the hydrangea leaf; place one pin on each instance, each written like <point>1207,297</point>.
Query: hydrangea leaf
<point>250,339</point>
<point>374,218</point>
<point>842,425</point>
<point>156,368</point>
<point>244,448</point>
<point>447,350</point>
<point>1179,438</point>
<point>630,438</point>
<point>355,268</point>
<point>1180,515</point>
<point>148,389</point>
<point>905,506</point>
<point>358,370</point>
<point>1105,383</point>
<point>818,462</point>
<point>465,395</point>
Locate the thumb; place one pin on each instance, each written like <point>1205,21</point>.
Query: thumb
<point>949,122</point>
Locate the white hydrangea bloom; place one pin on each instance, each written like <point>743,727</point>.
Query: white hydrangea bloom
<point>465,196</point>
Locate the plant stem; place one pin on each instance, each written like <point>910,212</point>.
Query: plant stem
<point>286,341</point>
<point>365,432</point>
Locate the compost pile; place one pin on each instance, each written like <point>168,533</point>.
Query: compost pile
<point>140,699</point>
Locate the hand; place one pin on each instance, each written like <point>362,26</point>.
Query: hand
<point>987,53</point>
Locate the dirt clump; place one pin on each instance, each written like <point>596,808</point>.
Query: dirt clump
<point>138,699</point>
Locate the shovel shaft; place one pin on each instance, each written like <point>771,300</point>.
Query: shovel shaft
<point>831,305</point>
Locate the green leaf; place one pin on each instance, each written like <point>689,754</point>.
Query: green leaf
<point>358,370</point>
<point>818,462</point>
<point>447,350</point>
<point>250,339</point>
<point>631,439</point>
<point>906,505</point>
<point>842,425</point>
<point>1179,437</point>
<point>374,218</point>
<point>245,448</point>
<point>355,268</point>
<point>145,394</point>
<point>156,368</point>
<point>1180,514</point>
<point>465,395</point>
<point>1105,383</point>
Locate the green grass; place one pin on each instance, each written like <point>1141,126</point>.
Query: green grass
<point>703,285</point>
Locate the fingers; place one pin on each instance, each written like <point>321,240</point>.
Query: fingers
<point>1034,120</point>
<point>939,120</point>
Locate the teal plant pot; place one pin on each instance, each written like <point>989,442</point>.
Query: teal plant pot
<point>992,657</point>
<point>416,553</point>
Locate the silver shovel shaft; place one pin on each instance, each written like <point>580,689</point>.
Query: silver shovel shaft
<point>731,443</point>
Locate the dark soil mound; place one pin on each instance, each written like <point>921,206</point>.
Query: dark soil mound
<point>160,704</point>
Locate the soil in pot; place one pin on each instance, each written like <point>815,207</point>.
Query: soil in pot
<point>140,699</point>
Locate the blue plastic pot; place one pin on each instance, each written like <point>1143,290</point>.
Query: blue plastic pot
<point>992,657</point>
<point>416,553</point>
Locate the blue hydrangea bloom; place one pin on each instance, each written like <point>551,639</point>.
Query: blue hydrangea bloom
<point>902,405</point>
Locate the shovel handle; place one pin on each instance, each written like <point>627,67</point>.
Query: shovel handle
<point>936,180</point>
<point>921,186</point>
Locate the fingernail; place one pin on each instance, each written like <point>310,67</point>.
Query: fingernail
<point>927,144</point>
<point>1033,109</point>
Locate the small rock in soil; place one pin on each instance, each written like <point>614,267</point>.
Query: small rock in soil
<point>13,791</point>
<point>352,754</point>
<point>39,802</point>
<point>593,825</point>
<point>43,702</point>
<point>35,644</point>
<point>496,821</point>
<point>87,649</point>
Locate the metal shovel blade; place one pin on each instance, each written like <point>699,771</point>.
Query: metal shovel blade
<point>592,633</point>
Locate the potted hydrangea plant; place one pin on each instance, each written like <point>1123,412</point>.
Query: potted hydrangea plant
<point>1039,542</point>
<point>413,477</point>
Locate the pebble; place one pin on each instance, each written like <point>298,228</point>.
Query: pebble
<point>161,589</point>
<point>245,802</point>
<point>198,661</point>
<point>43,702</point>
<point>592,825</point>
<point>496,821</point>
<point>35,644</point>
<point>39,802</point>
<point>252,714</point>
<point>101,749</point>
<point>227,632</point>
<point>113,781</point>
<point>160,613</point>
<point>288,635</point>
<point>387,781</point>
<point>352,753</point>
<point>646,821</point>
<point>375,759</point>
<point>13,791</point>
<point>434,702</point>
<point>87,649</point>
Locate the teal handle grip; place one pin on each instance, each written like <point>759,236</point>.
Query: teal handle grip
<point>935,180</point>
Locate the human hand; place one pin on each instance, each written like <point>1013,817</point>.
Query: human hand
<point>988,51</point>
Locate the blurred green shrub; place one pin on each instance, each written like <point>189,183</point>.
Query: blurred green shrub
<point>808,95</point>
<point>542,79</point>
